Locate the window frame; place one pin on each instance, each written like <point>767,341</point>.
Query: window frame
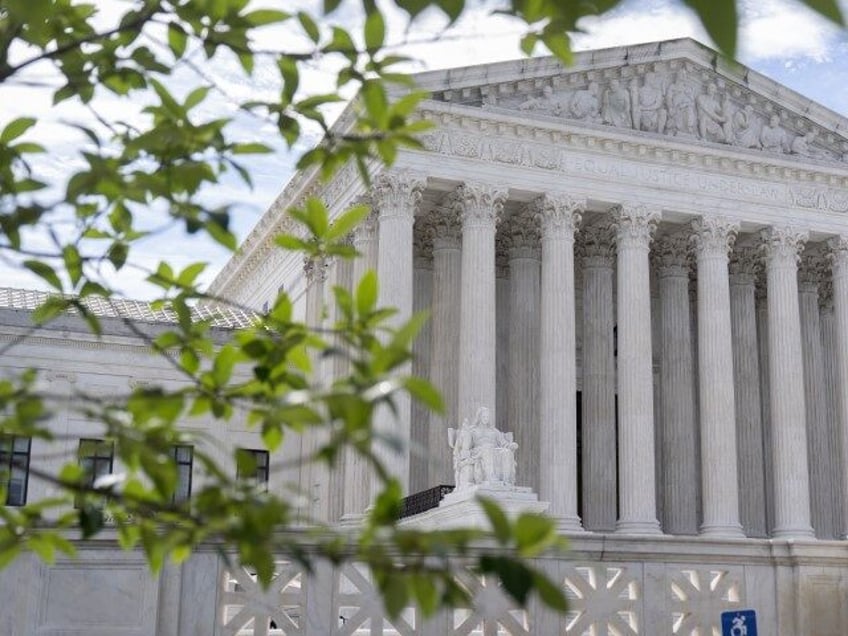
<point>8,462</point>
<point>262,462</point>
<point>91,476</point>
<point>174,454</point>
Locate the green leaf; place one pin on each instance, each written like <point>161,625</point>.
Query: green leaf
<point>177,39</point>
<point>497,518</point>
<point>73,262</point>
<point>534,533</point>
<point>720,20</point>
<point>828,8</point>
<point>342,226</point>
<point>375,30</point>
<point>43,270</point>
<point>395,589</point>
<point>551,594</point>
<point>366,293</point>
<point>16,128</point>
<point>272,435</point>
<point>196,96</point>
<point>309,25</point>
<point>516,578</point>
<point>426,393</point>
<point>261,17</point>
<point>251,148</point>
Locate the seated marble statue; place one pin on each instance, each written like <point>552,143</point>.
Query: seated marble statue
<point>481,453</point>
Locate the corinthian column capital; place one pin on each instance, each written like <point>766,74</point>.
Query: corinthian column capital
<point>812,269</point>
<point>635,224</point>
<point>783,244</point>
<point>596,245</point>
<point>671,254</point>
<point>714,236</point>
<point>837,254</point>
<point>397,193</point>
<point>745,264</point>
<point>558,215</point>
<point>479,204</point>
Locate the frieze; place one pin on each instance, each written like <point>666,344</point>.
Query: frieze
<point>547,156</point>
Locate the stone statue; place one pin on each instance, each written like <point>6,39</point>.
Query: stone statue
<point>545,103</point>
<point>680,101</point>
<point>746,127</point>
<point>481,453</point>
<point>803,145</point>
<point>585,105</point>
<point>711,119</point>
<point>649,112</point>
<point>773,137</point>
<point>616,106</point>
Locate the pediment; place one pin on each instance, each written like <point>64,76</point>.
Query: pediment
<point>678,89</point>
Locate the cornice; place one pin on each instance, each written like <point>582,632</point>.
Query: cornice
<point>507,137</point>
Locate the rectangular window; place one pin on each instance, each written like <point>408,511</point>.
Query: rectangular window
<point>252,465</point>
<point>95,458</point>
<point>14,468</point>
<point>183,456</point>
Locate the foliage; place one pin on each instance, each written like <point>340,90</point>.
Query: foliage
<point>166,159</point>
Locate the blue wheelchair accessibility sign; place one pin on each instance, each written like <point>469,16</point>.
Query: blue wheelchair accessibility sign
<point>739,623</point>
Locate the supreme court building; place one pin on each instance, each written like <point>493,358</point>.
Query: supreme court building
<point>639,265</point>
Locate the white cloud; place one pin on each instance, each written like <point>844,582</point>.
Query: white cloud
<point>779,29</point>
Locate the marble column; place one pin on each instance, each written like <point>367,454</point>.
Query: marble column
<point>444,359</point>
<point>502,291</point>
<point>358,473</point>
<point>839,262</point>
<point>480,205</point>
<point>342,276</point>
<point>635,224</point>
<point>713,237</point>
<point>522,387</point>
<point>810,274</point>
<point>422,301</point>
<point>828,333</point>
<point>744,264</point>
<point>679,481</point>
<point>761,302</point>
<point>315,475</point>
<point>782,246</point>
<point>558,215</point>
<point>395,196</point>
<point>597,251</point>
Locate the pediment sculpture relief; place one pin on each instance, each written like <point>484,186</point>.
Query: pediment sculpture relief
<point>686,102</point>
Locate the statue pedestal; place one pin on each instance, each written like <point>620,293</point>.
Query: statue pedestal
<point>460,509</point>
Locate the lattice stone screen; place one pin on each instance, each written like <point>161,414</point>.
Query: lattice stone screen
<point>617,599</point>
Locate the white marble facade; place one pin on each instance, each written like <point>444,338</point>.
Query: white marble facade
<point>639,266</point>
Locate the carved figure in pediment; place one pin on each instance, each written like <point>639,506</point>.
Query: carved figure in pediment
<point>616,106</point>
<point>746,127</point>
<point>680,101</point>
<point>773,137</point>
<point>585,105</point>
<point>711,119</point>
<point>649,111</point>
<point>803,145</point>
<point>545,103</point>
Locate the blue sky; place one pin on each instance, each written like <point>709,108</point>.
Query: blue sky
<point>779,38</point>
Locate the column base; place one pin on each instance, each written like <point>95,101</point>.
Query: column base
<point>729,530</point>
<point>568,524</point>
<point>793,533</point>
<point>352,519</point>
<point>625,526</point>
